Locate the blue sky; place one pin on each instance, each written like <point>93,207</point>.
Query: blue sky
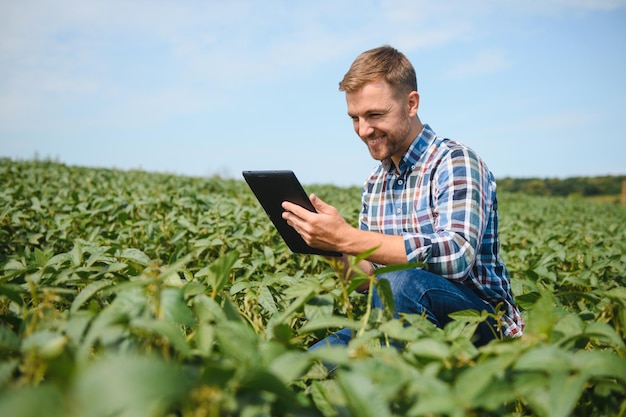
<point>200,88</point>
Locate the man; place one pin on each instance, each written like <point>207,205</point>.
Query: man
<point>430,200</point>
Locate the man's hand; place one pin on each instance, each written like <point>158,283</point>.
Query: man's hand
<point>323,230</point>
<point>327,230</point>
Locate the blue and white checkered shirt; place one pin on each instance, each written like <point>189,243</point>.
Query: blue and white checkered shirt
<point>443,202</point>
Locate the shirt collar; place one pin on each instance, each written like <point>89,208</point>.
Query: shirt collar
<point>414,153</point>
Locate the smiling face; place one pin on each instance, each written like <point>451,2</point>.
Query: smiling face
<point>386,121</point>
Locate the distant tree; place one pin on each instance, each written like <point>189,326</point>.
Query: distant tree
<point>536,187</point>
<point>583,186</point>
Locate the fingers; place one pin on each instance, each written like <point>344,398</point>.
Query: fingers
<point>318,203</point>
<point>317,229</point>
<point>294,209</point>
<point>294,215</point>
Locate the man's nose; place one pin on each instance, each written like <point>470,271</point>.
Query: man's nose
<point>365,129</point>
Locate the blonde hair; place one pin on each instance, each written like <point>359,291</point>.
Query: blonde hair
<point>383,62</point>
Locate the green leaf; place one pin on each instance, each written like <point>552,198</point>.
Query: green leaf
<point>527,300</point>
<point>240,286</point>
<point>542,318</point>
<point>165,329</point>
<point>266,300</point>
<point>544,358</point>
<point>134,255</point>
<point>329,322</point>
<point>76,254</point>
<point>289,366</point>
<point>397,330</point>
<point>260,380</point>
<point>363,397</point>
<point>207,309</point>
<point>9,342</point>
<point>605,333</point>
<point>7,368</point>
<point>397,267</point>
<point>77,324</point>
<point>204,336</point>
<point>327,397</point>
<point>47,343</point>
<point>14,265</point>
<point>598,363</point>
<point>89,291</point>
<point>174,307</point>
<point>319,306</point>
<point>129,386</point>
<point>435,397</point>
<point>386,296</point>
<point>59,259</point>
<point>475,383</point>
<point>430,349</point>
<point>617,294</point>
<point>565,389</point>
<point>218,272</point>
<point>287,314</point>
<point>12,292</point>
<point>44,400</point>
<point>239,342</point>
<point>364,255</point>
<point>269,256</point>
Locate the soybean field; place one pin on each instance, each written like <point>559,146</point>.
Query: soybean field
<point>127,293</point>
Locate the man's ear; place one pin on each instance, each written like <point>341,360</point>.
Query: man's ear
<point>413,103</point>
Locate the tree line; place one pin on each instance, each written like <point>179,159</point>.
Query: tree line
<point>609,185</point>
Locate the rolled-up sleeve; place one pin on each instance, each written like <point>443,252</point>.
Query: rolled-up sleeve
<point>460,204</point>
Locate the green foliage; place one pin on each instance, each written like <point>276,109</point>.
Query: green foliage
<point>137,294</point>
<point>574,186</point>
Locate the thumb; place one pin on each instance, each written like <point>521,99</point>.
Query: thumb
<point>319,205</point>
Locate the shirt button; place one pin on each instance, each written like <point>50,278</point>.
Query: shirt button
<point>399,210</point>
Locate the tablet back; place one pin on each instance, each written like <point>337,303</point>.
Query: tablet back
<point>271,188</point>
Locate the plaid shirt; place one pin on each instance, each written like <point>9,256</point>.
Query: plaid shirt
<point>444,203</point>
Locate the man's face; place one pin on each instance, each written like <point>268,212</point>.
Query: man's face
<point>383,120</point>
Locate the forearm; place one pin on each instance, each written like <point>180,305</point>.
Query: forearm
<point>390,249</point>
<point>326,229</point>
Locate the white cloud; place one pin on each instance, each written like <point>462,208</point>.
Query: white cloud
<point>217,42</point>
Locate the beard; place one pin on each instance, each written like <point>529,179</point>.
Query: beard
<point>385,145</point>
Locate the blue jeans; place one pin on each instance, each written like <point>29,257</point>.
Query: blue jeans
<point>416,291</point>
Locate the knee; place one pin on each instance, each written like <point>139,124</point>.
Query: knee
<point>408,290</point>
<point>413,284</point>
<point>398,281</point>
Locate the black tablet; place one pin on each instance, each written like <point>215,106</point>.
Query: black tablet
<point>271,188</point>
